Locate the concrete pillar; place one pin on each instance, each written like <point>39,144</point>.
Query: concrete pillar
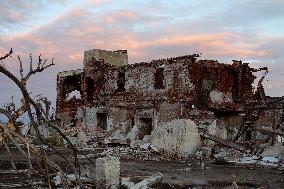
<point>107,173</point>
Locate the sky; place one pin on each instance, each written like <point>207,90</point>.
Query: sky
<point>223,30</point>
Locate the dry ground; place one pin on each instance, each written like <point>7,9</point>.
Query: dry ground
<point>176,174</point>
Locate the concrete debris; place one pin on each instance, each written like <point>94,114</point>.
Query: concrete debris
<point>277,150</point>
<point>262,161</point>
<point>179,137</point>
<point>149,146</point>
<point>148,182</point>
<point>228,154</point>
<point>126,182</point>
<point>136,153</point>
<point>107,173</point>
<point>57,180</point>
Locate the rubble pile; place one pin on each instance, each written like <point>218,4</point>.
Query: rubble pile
<point>231,156</point>
<point>129,153</point>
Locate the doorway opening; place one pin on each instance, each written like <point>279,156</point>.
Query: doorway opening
<point>146,127</point>
<point>102,120</point>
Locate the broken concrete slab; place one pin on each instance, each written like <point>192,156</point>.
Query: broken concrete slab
<point>178,136</point>
<point>148,182</point>
<point>126,181</point>
<point>277,150</point>
<point>107,172</point>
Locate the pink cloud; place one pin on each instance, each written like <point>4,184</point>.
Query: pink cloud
<point>97,2</point>
<point>70,42</point>
<point>67,36</point>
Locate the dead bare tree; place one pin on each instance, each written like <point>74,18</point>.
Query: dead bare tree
<point>37,116</point>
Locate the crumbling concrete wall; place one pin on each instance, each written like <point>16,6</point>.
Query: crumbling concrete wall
<point>168,111</point>
<point>118,118</point>
<point>67,82</point>
<point>89,116</point>
<point>140,79</point>
<point>111,81</point>
<point>118,58</point>
<point>168,89</point>
<point>220,97</point>
<point>205,84</point>
<point>179,136</point>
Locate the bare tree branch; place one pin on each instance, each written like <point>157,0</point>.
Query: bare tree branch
<point>31,63</point>
<point>7,55</point>
<point>40,67</point>
<point>10,154</point>
<point>41,117</point>
<point>21,67</point>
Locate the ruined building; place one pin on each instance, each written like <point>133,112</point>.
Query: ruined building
<point>132,100</point>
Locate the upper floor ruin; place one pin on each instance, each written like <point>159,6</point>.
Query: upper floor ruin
<point>108,80</point>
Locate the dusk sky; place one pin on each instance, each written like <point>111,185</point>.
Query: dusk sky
<point>223,30</point>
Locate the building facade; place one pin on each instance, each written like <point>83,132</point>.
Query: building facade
<point>112,95</point>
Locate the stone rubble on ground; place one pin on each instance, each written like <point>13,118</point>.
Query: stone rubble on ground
<point>148,182</point>
<point>126,181</point>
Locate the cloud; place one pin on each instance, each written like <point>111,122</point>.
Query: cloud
<point>96,2</point>
<point>251,11</point>
<point>65,38</point>
<point>18,14</point>
<point>126,17</point>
